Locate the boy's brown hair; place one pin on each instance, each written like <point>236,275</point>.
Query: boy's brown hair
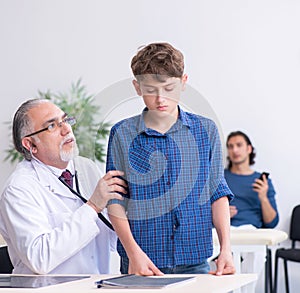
<point>158,59</point>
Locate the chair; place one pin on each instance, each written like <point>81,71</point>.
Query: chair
<point>6,266</point>
<point>291,254</point>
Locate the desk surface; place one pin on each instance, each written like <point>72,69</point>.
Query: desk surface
<point>254,236</point>
<point>202,284</point>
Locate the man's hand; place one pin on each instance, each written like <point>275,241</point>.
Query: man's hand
<point>107,188</point>
<point>233,211</point>
<point>261,187</point>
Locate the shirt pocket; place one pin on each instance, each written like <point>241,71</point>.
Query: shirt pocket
<point>144,159</point>
<point>148,165</point>
<point>140,158</point>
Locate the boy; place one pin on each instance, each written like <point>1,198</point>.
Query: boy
<point>173,165</point>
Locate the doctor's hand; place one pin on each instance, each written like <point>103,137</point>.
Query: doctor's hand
<point>108,187</point>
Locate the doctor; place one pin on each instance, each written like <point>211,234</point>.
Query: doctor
<point>47,227</point>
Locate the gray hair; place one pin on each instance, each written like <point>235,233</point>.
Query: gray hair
<point>22,125</point>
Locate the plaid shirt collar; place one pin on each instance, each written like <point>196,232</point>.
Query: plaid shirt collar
<point>183,120</point>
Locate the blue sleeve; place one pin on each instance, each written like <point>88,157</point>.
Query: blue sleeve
<point>218,184</point>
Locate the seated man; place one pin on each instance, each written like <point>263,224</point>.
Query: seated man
<point>254,204</point>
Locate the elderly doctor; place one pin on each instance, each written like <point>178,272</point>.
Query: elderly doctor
<point>47,227</point>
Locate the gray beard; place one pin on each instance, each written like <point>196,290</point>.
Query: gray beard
<point>70,155</point>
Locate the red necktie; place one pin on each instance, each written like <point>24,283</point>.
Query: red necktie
<point>67,178</point>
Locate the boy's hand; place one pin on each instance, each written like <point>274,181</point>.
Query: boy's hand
<point>142,265</point>
<point>224,264</point>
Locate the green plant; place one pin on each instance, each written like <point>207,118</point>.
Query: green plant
<point>89,131</point>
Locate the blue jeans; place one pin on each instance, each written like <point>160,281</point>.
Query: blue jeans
<point>201,268</point>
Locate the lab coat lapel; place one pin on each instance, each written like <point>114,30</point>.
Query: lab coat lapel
<point>50,181</point>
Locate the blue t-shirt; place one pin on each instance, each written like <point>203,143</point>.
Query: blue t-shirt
<point>173,179</point>
<point>247,202</point>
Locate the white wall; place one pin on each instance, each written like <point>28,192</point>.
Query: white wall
<point>243,56</point>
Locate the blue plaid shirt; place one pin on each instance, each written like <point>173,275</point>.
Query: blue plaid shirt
<point>173,179</point>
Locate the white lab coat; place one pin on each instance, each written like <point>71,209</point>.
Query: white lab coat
<point>47,228</point>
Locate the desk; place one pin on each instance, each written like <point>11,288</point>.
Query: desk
<point>203,284</point>
<point>253,240</point>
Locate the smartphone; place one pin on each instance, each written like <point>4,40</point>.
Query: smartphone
<point>264,173</point>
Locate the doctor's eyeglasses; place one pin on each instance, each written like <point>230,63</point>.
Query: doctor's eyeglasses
<point>54,125</point>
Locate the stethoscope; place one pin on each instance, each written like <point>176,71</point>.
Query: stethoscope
<point>77,193</point>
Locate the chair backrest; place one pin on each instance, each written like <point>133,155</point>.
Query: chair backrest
<point>6,266</point>
<point>295,225</point>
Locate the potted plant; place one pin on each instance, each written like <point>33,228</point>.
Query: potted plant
<point>89,131</point>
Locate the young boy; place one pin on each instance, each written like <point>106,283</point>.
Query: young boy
<point>173,165</point>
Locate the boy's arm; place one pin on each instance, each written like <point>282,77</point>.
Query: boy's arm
<point>221,221</point>
<point>139,262</point>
